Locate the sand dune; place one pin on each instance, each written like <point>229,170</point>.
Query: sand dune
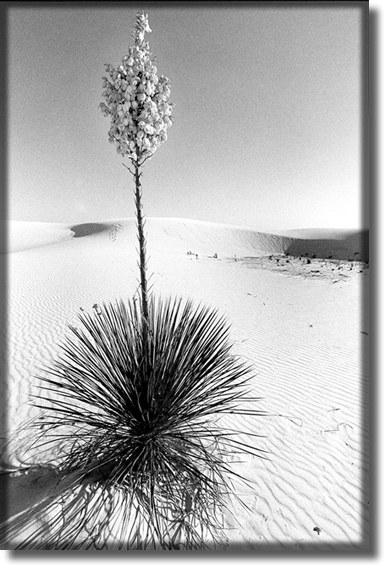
<point>201,237</point>
<point>27,235</point>
<point>305,335</point>
<point>336,244</point>
<point>228,240</point>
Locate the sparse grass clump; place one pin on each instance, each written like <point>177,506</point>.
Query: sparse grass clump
<point>136,409</point>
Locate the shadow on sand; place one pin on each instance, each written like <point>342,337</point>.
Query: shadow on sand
<point>81,230</point>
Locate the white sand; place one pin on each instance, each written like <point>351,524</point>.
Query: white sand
<point>302,324</point>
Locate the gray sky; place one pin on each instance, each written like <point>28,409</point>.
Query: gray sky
<point>267,114</point>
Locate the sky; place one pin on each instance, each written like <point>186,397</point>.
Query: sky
<point>268,114</point>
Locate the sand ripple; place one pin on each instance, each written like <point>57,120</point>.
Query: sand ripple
<point>303,336</point>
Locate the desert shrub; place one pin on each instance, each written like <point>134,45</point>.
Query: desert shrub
<point>134,410</point>
<point>135,405</point>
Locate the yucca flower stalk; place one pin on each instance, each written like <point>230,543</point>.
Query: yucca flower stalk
<point>137,102</point>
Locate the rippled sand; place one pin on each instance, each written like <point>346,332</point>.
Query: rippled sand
<point>302,325</point>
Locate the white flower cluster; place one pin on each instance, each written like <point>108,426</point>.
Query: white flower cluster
<point>136,99</point>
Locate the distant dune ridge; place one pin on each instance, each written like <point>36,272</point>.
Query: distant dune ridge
<point>27,235</point>
<point>174,234</point>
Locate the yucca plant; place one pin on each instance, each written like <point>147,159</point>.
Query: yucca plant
<point>135,405</point>
<point>136,423</point>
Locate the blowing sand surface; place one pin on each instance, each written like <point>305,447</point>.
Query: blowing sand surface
<point>298,318</point>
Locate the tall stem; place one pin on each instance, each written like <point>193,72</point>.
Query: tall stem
<point>141,238</point>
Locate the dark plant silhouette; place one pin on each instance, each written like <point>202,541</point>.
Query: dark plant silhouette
<point>135,424</point>
<point>136,405</point>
